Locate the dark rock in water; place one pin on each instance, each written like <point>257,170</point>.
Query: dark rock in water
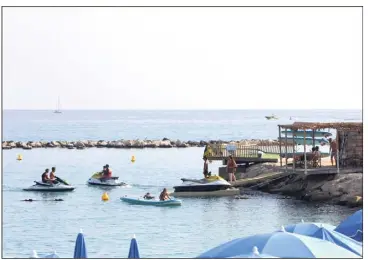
<point>165,139</point>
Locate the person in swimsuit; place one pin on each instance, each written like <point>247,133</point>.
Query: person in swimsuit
<point>231,168</point>
<point>333,150</point>
<point>44,177</point>
<point>148,196</point>
<point>164,195</point>
<point>205,167</point>
<point>52,175</point>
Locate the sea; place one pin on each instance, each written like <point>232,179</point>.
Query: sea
<point>198,225</point>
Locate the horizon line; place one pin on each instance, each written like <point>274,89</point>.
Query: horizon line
<point>173,109</point>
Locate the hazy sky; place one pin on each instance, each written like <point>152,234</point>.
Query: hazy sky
<point>182,58</point>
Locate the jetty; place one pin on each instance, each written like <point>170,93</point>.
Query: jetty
<point>119,144</point>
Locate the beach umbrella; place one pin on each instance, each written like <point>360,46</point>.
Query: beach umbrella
<point>318,230</point>
<point>53,255</point>
<point>352,226</point>
<point>133,250</point>
<point>80,250</point>
<point>255,254</point>
<point>280,244</point>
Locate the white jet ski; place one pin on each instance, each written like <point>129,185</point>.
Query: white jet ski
<point>113,181</point>
<point>48,187</point>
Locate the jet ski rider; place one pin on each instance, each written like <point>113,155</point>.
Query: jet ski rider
<point>52,175</point>
<point>107,173</point>
<point>45,178</point>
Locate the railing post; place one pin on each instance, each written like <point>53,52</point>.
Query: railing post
<point>293,150</point>
<point>337,152</point>
<point>305,155</point>
<point>286,150</point>
<point>280,145</point>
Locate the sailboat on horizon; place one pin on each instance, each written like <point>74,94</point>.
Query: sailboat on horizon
<point>58,110</point>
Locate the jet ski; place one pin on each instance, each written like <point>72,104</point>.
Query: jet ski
<point>211,186</point>
<point>61,185</point>
<point>113,181</point>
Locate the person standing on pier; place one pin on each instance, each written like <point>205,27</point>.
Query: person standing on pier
<point>205,167</point>
<point>333,150</point>
<point>231,168</point>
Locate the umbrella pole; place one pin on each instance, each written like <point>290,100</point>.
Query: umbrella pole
<point>305,155</point>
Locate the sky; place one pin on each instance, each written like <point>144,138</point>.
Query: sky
<point>182,58</point>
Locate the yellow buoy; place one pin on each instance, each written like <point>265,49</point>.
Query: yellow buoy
<point>19,157</point>
<point>133,159</point>
<point>105,196</point>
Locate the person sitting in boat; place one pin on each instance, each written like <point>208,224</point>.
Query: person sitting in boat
<point>205,167</point>
<point>44,177</point>
<point>164,195</point>
<point>148,196</point>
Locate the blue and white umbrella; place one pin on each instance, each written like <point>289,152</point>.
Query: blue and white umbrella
<point>255,254</point>
<point>280,244</point>
<point>307,228</point>
<point>133,250</point>
<point>326,232</point>
<point>80,250</point>
<point>352,226</point>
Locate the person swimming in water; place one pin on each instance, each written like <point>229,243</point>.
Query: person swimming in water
<point>148,196</point>
<point>164,195</point>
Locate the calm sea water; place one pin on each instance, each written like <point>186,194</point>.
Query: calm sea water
<point>186,231</point>
<point>183,125</point>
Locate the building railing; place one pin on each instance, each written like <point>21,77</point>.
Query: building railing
<point>243,151</point>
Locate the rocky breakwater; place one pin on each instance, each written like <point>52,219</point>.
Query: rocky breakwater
<point>342,189</point>
<point>82,144</point>
<point>165,143</point>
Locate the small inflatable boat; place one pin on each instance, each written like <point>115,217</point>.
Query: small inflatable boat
<point>95,180</point>
<point>152,202</point>
<point>58,187</point>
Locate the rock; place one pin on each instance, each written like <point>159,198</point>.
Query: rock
<point>138,144</point>
<point>79,145</point>
<point>165,139</point>
<point>50,145</point>
<point>6,146</point>
<point>128,143</point>
<point>101,144</point>
<point>119,144</point>
<point>27,147</point>
<point>165,144</point>
<point>70,146</point>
